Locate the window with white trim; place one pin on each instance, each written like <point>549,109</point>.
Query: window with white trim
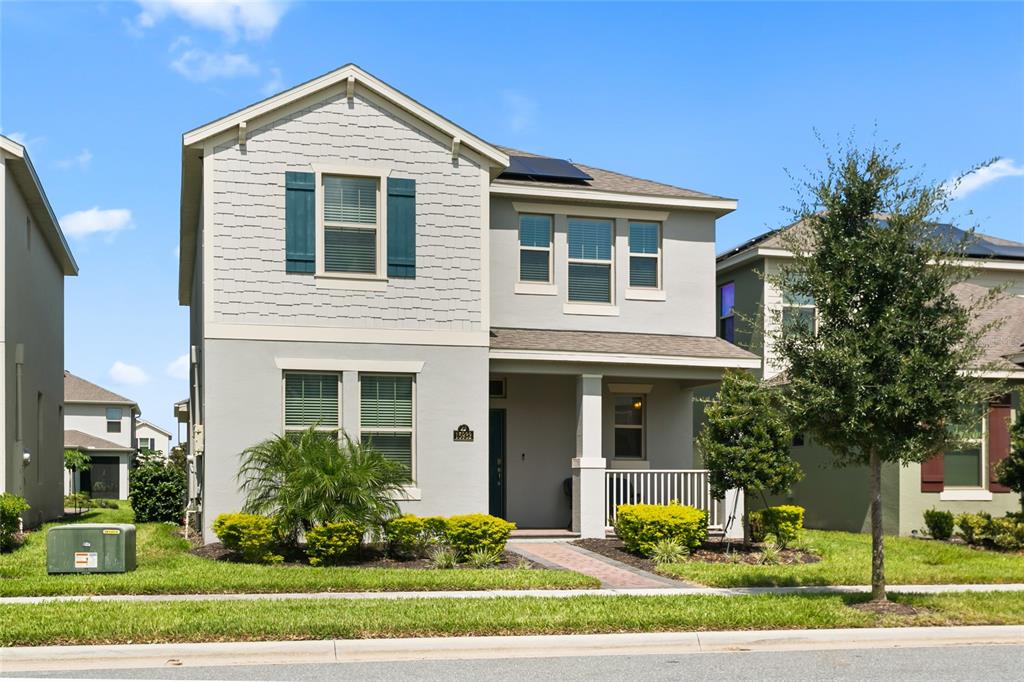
<point>590,260</point>
<point>799,311</point>
<point>965,466</point>
<point>535,248</point>
<point>387,418</point>
<point>644,255</point>
<point>147,444</point>
<point>311,399</point>
<point>114,416</point>
<point>629,426</point>
<point>351,228</point>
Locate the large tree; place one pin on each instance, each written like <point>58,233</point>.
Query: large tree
<point>881,376</point>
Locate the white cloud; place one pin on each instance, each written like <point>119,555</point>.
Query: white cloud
<point>24,139</point>
<point>96,219</point>
<point>123,373</point>
<point>275,84</point>
<point>520,110</point>
<point>199,65</point>
<point>179,368</point>
<point>253,19</point>
<point>1001,168</point>
<point>80,160</point>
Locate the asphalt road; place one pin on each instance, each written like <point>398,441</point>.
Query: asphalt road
<point>987,663</point>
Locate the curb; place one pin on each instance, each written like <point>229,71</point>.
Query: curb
<point>72,658</point>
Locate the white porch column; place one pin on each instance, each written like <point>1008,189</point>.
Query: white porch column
<point>588,466</point>
<point>734,530</point>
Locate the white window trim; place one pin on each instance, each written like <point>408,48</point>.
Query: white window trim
<point>642,427</point>
<point>591,307</point>
<point>974,492</point>
<point>965,495</point>
<point>526,285</point>
<point>410,430</point>
<point>354,280</point>
<point>536,288</point>
<point>285,429</point>
<point>660,286</point>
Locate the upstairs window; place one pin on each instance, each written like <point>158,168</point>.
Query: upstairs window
<point>644,255</point>
<point>386,416</point>
<point>590,260</point>
<point>114,415</point>
<point>351,236</point>
<point>534,248</point>
<point>726,311</point>
<point>798,311</point>
<point>310,400</point>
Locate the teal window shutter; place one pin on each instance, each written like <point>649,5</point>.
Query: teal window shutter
<point>401,227</point>
<point>299,221</point>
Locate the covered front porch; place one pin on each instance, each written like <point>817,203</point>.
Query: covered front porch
<point>575,434</point>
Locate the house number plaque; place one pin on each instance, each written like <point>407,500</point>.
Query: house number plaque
<point>462,434</point>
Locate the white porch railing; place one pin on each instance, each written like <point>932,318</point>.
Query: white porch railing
<point>690,487</point>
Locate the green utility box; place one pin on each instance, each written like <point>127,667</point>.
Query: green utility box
<point>91,548</point>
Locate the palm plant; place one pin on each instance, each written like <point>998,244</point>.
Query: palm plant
<point>312,478</point>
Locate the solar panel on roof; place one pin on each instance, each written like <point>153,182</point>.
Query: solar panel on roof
<point>542,167</point>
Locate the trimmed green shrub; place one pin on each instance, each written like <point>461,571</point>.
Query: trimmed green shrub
<point>435,526</point>
<point>11,509</point>
<point>411,536</point>
<point>157,493</point>
<point>331,543</point>
<point>250,535</point>
<point>642,526</point>
<point>972,526</point>
<point>1005,533</point>
<point>470,532</point>
<point>784,522</point>
<point>939,523</point>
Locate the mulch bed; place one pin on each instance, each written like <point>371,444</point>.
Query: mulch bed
<point>886,608</point>
<point>368,558</point>
<point>710,552</point>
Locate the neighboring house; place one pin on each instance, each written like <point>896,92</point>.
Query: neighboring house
<point>149,436</point>
<point>103,425</point>
<point>959,481</point>
<point>35,259</point>
<point>496,321</point>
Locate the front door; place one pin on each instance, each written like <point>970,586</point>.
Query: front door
<point>497,463</point>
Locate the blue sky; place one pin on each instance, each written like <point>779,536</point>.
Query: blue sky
<point>720,98</point>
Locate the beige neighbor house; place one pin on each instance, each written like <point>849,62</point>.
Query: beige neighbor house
<point>149,436</point>
<point>523,333</point>
<point>957,481</point>
<point>103,425</point>
<point>35,259</point>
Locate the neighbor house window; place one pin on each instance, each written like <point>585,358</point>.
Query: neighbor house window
<point>629,426</point>
<point>645,255</point>
<point>386,416</point>
<point>798,311</point>
<point>114,415</point>
<point>498,388</point>
<point>310,400</point>
<point>590,260</point>
<point>351,228</point>
<point>534,248</point>
<point>726,311</point>
<point>963,468</point>
<point>146,444</point>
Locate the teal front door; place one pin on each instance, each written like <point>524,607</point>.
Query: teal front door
<point>497,463</point>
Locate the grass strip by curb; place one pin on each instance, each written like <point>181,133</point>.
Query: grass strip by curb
<point>109,623</point>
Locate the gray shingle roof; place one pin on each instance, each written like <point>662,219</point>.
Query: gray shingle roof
<point>616,342</point>
<point>85,441</point>
<point>607,181</point>
<point>78,390</point>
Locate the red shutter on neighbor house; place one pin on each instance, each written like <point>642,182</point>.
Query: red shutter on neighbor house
<point>932,474</point>
<point>999,412</point>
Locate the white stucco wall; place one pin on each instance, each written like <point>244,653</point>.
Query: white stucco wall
<point>91,418</point>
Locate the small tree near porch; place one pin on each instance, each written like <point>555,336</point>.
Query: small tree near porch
<point>745,440</point>
<point>880,377</point>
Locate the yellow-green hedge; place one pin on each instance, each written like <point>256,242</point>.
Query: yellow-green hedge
<point>784,522</point>
<point>642,526</point>
<point>250,535</point>
<point>332,543</point>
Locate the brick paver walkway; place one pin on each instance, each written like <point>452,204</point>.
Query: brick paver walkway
<point>611,573</point>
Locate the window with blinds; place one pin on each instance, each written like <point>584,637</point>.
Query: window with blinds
<point>590,260</point>
<point>351,228</point>
<point>310,400</point>
<point>386,416</point>
<point>534,248</point>
<point>644,255</point>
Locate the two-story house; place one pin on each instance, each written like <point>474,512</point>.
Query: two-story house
<point>35,259</point>
<point>149,436</point>
<point>507,326</point>
<point>103,425</point>
<point>749,308</point>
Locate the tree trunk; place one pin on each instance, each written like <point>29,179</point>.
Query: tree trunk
<point>877,548</point>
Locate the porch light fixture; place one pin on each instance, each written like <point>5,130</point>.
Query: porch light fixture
<point>638,403</point>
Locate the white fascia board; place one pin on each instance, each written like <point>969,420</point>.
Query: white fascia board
<point>624,359</point>
<point>995,374</point>
<point>751,254</point>
<point>129,403</point>
<point>337,365</point>
<point>336,77</point>
<point>991,264</point>
<point>721,206</point>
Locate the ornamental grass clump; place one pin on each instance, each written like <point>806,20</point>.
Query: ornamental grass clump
<point>642,526</point>
<point>669,552</point>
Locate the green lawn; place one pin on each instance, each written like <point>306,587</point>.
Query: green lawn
<point>111,622</point>
<point>846,560</point>
<point>165,566</point>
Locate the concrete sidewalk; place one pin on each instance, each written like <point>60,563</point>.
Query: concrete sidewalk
<point>548,594</point>
<point>72,658</point>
